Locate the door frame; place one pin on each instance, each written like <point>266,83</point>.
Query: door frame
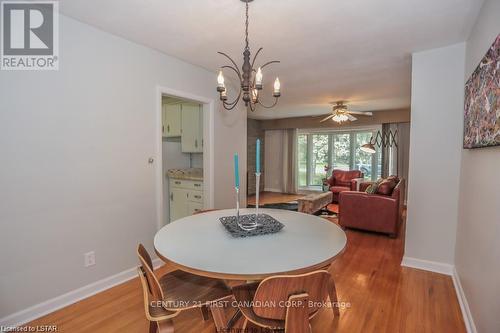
<point>208,148</point>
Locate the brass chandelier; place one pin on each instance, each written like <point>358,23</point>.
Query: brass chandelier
<point>250,79</point>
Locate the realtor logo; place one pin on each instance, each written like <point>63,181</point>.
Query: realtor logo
<point>29,35</point>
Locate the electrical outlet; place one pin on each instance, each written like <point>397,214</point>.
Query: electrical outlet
<point>89,259</point>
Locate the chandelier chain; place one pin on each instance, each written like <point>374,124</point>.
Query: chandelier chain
<point>246,26</point>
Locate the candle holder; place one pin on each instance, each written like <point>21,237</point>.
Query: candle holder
<point>243,224</point>
<point>257,190</point>
<point>237,205</point>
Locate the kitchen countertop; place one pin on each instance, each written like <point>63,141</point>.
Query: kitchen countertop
<point>187,174</point>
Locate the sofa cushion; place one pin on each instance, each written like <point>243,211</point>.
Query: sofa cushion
<point>386,187</point>
<point>338,189</point>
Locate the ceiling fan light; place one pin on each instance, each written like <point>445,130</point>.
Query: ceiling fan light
<point>340,118</point>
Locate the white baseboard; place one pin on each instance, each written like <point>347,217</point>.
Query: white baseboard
<point>56,303</point>
<point>426,265</point>
<point>464,306</point>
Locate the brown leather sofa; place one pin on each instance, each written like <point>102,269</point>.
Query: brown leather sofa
<point>373,212</point>
<point>341,181</point>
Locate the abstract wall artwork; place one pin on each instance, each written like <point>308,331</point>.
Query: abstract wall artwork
<point>482,102</point>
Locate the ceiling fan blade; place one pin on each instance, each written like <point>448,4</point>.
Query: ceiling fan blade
<point>351,117</point>
<point>325,119</point>
<point>361,113</point>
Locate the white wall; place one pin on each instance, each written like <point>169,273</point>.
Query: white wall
<point>477,256</point>
<point>435,153</point>
<point>196,160</point>
<point>273,161</point>
<point>74,172</point>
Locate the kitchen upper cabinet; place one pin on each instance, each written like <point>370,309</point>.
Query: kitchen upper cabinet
<point>191,128</point>
<point>172,120</point>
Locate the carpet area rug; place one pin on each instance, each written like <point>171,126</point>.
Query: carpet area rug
<point>293,206</point>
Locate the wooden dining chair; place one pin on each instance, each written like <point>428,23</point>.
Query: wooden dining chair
<point>284,302</point>
<point>180,290</point>
<point>160,319</point>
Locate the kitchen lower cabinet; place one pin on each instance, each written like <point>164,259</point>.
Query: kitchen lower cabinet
<point>186,198</point>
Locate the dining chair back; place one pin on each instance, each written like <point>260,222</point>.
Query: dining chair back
<point>307,291</point>
<point>159,318</point>
<point>147,268</point>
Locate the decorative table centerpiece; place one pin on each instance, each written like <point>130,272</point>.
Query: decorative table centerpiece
<point>249,224</point>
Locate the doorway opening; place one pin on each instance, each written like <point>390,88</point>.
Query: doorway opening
<point>184,177</point>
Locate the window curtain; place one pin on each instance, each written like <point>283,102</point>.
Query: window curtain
<point>289,161</point>
<point>385,151</point>
<point>281,161</point>
<point>395,159</point>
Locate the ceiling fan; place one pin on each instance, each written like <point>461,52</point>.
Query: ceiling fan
<point>340,113</point>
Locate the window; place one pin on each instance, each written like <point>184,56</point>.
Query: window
<point>339,150</point>
<point>319,158</point>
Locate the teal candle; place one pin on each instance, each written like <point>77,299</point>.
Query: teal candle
<point>236,172</point>
<point>257,157</point>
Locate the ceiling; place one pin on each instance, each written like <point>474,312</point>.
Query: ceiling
<point>354,50</point>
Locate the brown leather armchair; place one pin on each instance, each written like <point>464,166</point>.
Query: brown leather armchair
<point>373,212</point>
<point>341,181</point>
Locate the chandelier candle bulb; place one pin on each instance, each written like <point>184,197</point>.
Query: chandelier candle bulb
<point>258,79</point>
<point>255,95</point>
<point>220,82</point>
<point>277,87</point>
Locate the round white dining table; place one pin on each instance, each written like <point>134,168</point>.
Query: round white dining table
<point>200,244</point>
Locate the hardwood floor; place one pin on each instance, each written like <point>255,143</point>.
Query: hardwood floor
<point>383,297</point>
<point>273,198</point>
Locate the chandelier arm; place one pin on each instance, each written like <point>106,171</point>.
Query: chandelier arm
<point>270,62</point>
<point>236,100</point>
<point>229,108</point>
<point>232,105</point>
<point>234,69</point>
<point>269,106</point>
<point>232,61</point>
<point>255,57</point>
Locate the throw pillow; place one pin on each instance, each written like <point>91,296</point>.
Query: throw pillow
<point>386,187</point>
<point>393,177</point>
<point>372,189</point>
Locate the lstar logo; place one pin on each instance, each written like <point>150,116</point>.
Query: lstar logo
<point>30,35</point>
